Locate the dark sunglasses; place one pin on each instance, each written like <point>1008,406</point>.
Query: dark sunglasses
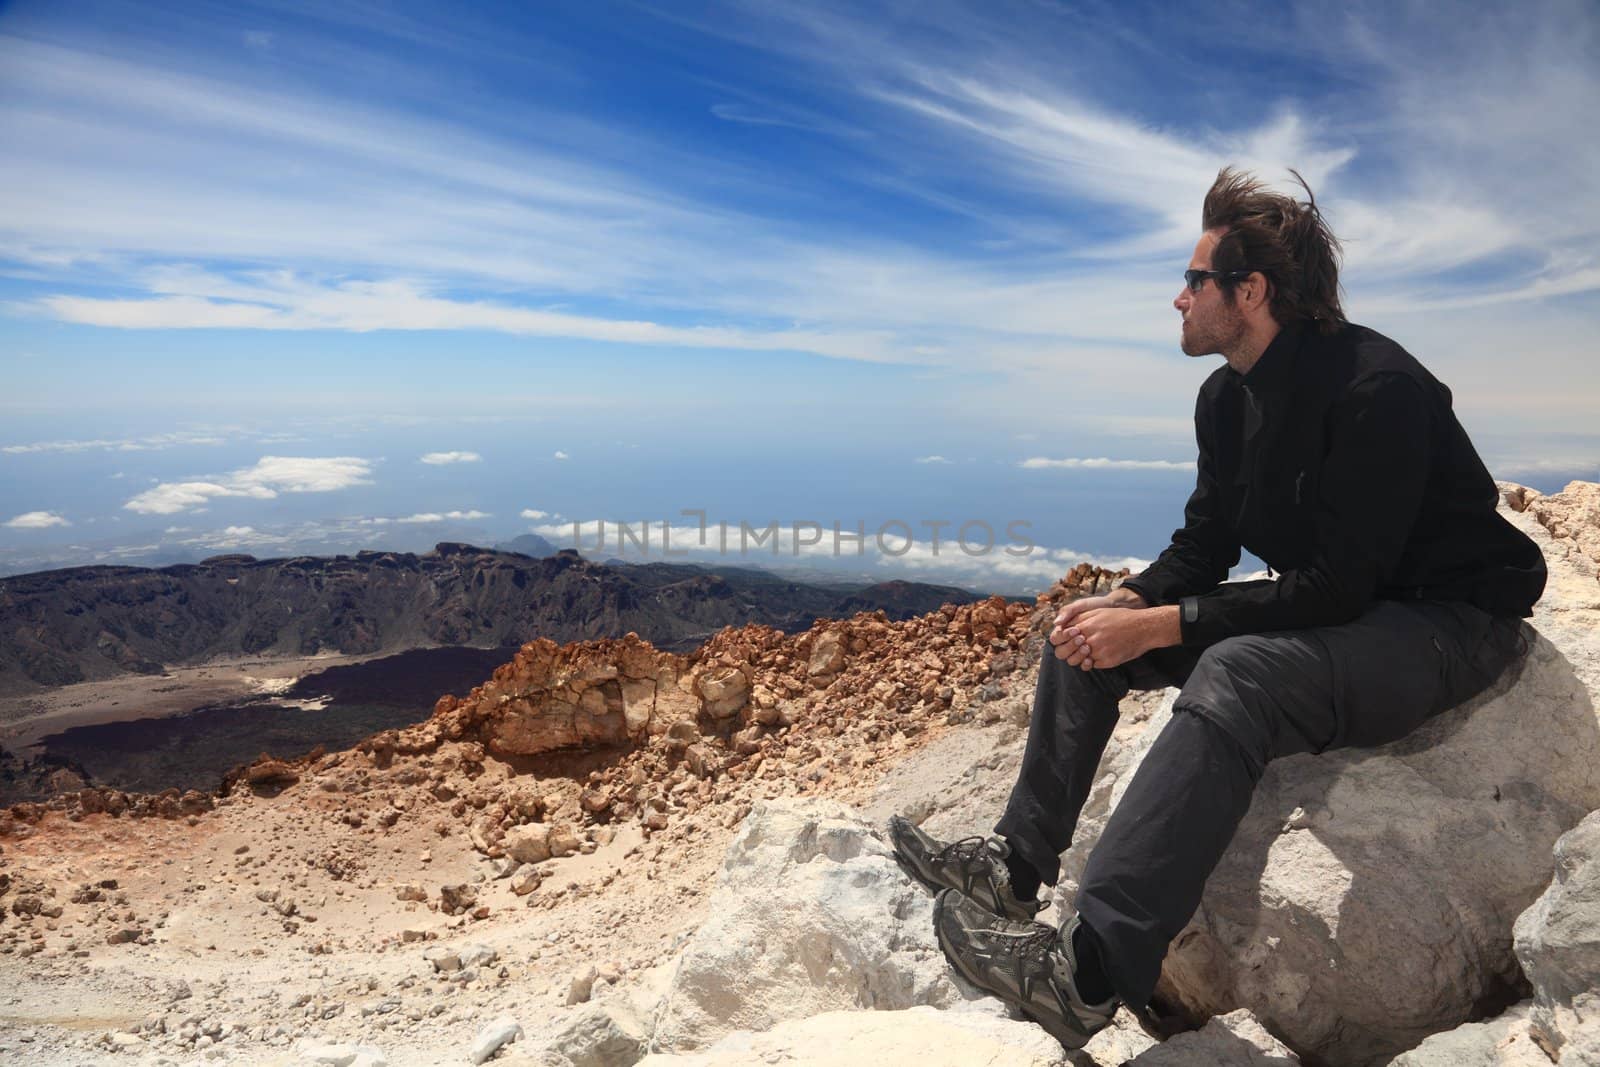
<point>1194,279</point>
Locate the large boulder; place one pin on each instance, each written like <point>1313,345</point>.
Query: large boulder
<point>1368,898</point>
<point>1233,1040</point>
<point>1504,1041</point>
<point>1558,941</point>
<point>810,914</point>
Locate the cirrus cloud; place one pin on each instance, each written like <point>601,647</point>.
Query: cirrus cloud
<point>439,459</point>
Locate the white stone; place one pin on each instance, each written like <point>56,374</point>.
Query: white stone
<point>325,1054</point>
<point>1558,942</point>
<point>921,1036</point>
<point>609,1034</point>
<point>477,955</point>
<point>1504,1041</point>
<point>493,1037</point>
<point>810,914</point>
<point>444,959</point>
<point>1234,1040</point>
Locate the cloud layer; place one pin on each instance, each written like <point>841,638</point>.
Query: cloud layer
<point>270,476</point>
<point>36,520</point>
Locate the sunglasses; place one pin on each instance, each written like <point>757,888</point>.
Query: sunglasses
<point>1194,279</point>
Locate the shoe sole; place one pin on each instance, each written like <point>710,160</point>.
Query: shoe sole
<point>1070,1039</point>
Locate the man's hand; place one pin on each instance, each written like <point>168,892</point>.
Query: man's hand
<point>1102,637</point>
<point>1119,597</point>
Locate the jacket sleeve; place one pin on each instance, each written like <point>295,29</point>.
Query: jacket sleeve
<point>1204,550</point>
<point>1373,480</point>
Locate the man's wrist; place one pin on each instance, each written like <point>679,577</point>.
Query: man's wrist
<point>1123,597</point>
<point>1164,626</point>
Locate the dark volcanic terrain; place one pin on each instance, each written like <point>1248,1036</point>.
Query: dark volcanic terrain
<point>90,623</point>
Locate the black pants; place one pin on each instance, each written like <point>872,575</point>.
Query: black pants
<point>1244,701</point>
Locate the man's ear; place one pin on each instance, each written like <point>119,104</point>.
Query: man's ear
<point>1258,291</point>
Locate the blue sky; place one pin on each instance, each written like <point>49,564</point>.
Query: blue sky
<point>776,261</point>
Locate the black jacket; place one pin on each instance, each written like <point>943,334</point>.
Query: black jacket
<point>1339,462</point>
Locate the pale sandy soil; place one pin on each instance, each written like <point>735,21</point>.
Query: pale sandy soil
<point>25,720</point>
<point>626,908</point>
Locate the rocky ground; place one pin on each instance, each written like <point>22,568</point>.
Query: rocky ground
<point>607,854</point>
<point>323,900</point>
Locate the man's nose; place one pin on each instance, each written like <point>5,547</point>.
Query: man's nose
<point>1182,299</point>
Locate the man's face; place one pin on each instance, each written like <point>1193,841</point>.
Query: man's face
<point>1210,324</point>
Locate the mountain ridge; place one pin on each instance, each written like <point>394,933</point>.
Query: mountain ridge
<point>99,622</point>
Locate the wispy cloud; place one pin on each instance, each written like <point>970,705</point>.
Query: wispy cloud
<point>439,459</point>
<point>561,455</point>
<point>1100,463</point>
<point>964,197</point>
<point>270,476</point>
<point>150,443</point>
<point>930,459</point>
<point>36,520</point>
<point>535,513</point>
<point>444,516</point>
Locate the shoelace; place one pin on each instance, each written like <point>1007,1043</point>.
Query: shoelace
<point>967,849</point>
<point>1025,940</point>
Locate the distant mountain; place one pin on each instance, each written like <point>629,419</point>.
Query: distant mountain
<point>86,623</point>
<point>528,544</point>
<point>901,600</point>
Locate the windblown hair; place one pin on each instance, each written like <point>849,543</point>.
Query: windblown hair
<point>1281,237</point>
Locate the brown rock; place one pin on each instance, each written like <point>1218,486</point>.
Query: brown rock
<point>457,898</point>
<point>529,843</point>
<point>724,689</point>
<point>827,656</point>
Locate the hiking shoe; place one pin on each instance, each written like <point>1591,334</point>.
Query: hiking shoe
<point>974,865</point>
<point>1026,964</point>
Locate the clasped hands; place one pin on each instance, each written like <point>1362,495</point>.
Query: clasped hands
<point>1108,631</point>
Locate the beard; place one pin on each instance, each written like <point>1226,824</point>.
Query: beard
<point>1217,332</point>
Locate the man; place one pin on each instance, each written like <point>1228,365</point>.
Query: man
<point>1329,452</point>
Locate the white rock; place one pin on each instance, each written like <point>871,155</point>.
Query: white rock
<point>478,956</point>
<point>443,959</point>
<point>1233,1040</point>
<point>810,914</point>
<point>1558,942</point>
<point>1119,1042</point>
<point>582,985</point>
<point>610,1034</point>
<point>493,1037</point>
<point>921,1036</point>
<point>1504,1041</point>
<point>341,1055</point>
<point>369,1056</point>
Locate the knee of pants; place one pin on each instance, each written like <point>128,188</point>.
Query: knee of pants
<point>1077,679</point>
<point>1232,688</point>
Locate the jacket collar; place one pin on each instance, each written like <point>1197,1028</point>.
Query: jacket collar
<point>1274,371</point>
